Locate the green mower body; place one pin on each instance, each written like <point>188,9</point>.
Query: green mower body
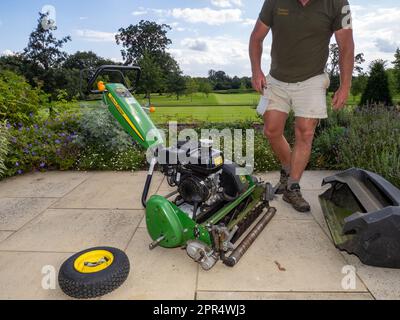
<point>130,114</point>
<point>212,208</point>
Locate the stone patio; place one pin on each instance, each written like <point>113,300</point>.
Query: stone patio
<point>45,218</point>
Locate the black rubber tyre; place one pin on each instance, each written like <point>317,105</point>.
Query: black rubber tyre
<point>92,285</point>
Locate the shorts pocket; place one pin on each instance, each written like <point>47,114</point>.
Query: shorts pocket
<point>327,81</point>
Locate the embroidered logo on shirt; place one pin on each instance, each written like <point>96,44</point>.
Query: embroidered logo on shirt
<point>283,12</point>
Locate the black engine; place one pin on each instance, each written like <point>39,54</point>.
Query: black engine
<point>205,183</point>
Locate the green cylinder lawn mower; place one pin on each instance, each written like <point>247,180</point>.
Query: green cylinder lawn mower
<point>212,207</point>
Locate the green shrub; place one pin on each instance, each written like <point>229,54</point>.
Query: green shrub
<point>49,145</point>
<point>325,148</point>
<point>4,144</point>
<point>372,142</point>
<point>264,158</point>
<point>130,159</point>
<point>19,102</point>
<point>99,129</point>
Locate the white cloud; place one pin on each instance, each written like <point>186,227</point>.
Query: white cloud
<point>220,53</point>
<point>96,36</point>
<point>83,18</point>
<point>377,31</point>
<point>227,3</point>
<point>249,22</point>
<point>195,44</point>
<point>7,52</point>
<point>207,15</point>
<point>140,12</point>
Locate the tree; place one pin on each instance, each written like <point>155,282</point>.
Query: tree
<point>359,84</point>
<point>377,90</point>
<point>220,80</point>
<point>151,76</point>
<point>175,83</point>
<point>43,57</point>
<point>145,37</point>
<point>191,87</point>
<point>396,63</point>
<point>85,60</point>
<point>334,66</point>
<point>205,87</point>
<point>43,48</point>
<point>236,83</point>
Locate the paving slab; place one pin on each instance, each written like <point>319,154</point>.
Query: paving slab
<point>312,180</point>
<point>383,283</point>
<point>4,235</point>
<point>110,190</point>
<point>16,212</point>
<point>21,275</point>
<point>42,185</point>
<point>316,210</point>
<point>300,247</point>
<point>161,274</point>
<point>226,296</point>
<point>75,230</point>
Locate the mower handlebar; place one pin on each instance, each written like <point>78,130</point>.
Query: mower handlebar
<point>111,69</point>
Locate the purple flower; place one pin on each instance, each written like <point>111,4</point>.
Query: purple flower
<point>57,141</point>
<point>42,165</point>
<point>33,153</point>
<point>8,126</point>
<point>14,140</point>
<point>17,164</point>
<point>31,115</point>
<point>19,171</point>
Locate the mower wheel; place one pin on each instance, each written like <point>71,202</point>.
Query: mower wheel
<point>94,272</point>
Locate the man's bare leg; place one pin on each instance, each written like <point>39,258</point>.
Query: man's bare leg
<point>275,122</point>
<point>305,130</point>
<point>274,127</point>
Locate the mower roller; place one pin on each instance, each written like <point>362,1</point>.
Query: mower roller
<point>362,211</point>
<point>214,213</point>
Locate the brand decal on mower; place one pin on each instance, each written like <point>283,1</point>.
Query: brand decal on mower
<point>124,115</point>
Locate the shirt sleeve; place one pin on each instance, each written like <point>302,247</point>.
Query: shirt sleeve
<point>342,16</point>
<point>267,13</point>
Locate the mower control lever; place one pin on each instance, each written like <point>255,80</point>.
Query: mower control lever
<point>113,69</point>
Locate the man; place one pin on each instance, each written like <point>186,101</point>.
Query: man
<point>301,30</point>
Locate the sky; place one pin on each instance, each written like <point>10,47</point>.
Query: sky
<point>206,34</point>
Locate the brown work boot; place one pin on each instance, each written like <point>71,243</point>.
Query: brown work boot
<point>293,196</point>
<point>283,182</point>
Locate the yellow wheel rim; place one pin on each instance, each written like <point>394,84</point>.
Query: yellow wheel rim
<point>94,261</point>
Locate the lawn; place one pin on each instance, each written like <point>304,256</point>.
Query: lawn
<point>200,99</point>
<point>215,107</point>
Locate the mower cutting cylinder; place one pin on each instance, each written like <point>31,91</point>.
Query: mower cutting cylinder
<point>245,245</point>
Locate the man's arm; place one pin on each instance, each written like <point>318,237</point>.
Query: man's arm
<point>256,50</point>
<point>345,41</point>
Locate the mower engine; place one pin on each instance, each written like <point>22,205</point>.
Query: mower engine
<point>203,182</point>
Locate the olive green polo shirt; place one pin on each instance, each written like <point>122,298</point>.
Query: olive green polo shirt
<point>301,35</point>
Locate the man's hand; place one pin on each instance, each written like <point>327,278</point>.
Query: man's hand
<point>259,82</point>
<point>340,98</point>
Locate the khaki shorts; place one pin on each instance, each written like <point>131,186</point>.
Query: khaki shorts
<point>307,99</point>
